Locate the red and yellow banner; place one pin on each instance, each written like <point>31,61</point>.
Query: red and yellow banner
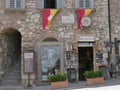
<point>80,14</point>
<point>48,15</point>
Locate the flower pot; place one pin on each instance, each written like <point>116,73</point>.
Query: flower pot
<point>61,84</point>
<point>94,81</point>
<point>98,47</point>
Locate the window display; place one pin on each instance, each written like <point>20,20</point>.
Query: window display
<point>50,55</point>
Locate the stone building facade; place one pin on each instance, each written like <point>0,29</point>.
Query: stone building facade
<point>114,12</point>
<point>23,38</point>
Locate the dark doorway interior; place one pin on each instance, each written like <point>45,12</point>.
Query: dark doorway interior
<point>11,53</point>
<point>85,60</point>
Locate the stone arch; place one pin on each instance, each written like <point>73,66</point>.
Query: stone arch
<point>10,48</point>
<point>49,39</point>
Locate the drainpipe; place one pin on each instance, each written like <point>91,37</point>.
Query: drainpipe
<point>110,41</point>
<point>109,24</point>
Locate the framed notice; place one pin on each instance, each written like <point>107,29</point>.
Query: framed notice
<point>68,19</point>
<point>28,57</point>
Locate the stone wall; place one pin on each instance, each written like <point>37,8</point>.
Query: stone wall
<point>115,22</point>
<point>29,24</point>
<point>115,26</point>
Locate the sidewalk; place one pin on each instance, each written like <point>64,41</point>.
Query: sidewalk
<point>112,84</point>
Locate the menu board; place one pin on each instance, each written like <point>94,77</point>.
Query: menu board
<point>28,61</point>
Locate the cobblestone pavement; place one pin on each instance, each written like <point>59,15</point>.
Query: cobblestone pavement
<point>112,84</point>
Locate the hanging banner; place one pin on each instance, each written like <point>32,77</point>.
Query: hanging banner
<point>80,14</point>
<point>48,15</point>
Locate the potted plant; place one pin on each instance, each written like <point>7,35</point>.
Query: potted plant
<point>58,81</point>
<point>94,77</point>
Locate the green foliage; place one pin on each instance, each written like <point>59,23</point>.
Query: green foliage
<point>57,77</point>
<point>93,74</point>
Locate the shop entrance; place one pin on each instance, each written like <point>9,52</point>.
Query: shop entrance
<point>50,59</point>
<point>85,60</point>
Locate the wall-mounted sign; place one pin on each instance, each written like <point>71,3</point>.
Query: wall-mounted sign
<point>86,21</point>
<point>28,57</point>
<point>68,19</point>
<point>87,39</point>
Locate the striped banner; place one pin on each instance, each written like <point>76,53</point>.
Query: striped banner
<point>48,15</point>
<point>80,14</point>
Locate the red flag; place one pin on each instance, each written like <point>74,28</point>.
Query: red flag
<point>48,15</point>
<point>45,15</point>
<point>80,14</point>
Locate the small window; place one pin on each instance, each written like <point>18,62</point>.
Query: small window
<point>50,4</point>
<point>85,3</point>
<point>15,4</point>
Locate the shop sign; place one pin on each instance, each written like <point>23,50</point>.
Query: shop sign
<point>87,39</point>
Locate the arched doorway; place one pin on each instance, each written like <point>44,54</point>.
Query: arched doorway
<point>11,57</point>
<point>50,58</point>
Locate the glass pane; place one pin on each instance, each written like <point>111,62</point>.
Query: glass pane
<point>18,3</point>
<point>50,60</point>
<point>81,3</point>
<point>87,4</point>
<point>12,3</point>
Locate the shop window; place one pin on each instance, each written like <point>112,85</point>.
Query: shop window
<point>50,4</point>
<point>84,3</point>
<point>15,4</point>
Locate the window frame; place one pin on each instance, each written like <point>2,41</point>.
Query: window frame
<point>119,4</point>
<point>84,2</point>
<point>22,5</point>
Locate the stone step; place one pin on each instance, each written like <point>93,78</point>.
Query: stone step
<point>10,82</point>
<point>16,67</point>
<point>13,76</point>
<point>15,71</point>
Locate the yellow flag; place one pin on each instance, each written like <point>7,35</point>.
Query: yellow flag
<point>88,11</point>
<point>50,18</point>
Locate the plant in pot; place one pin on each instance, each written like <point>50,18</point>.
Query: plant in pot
<point>58,81</point>
<point>94,77</point>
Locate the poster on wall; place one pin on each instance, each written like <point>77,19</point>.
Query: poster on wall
<point>28,58</point>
